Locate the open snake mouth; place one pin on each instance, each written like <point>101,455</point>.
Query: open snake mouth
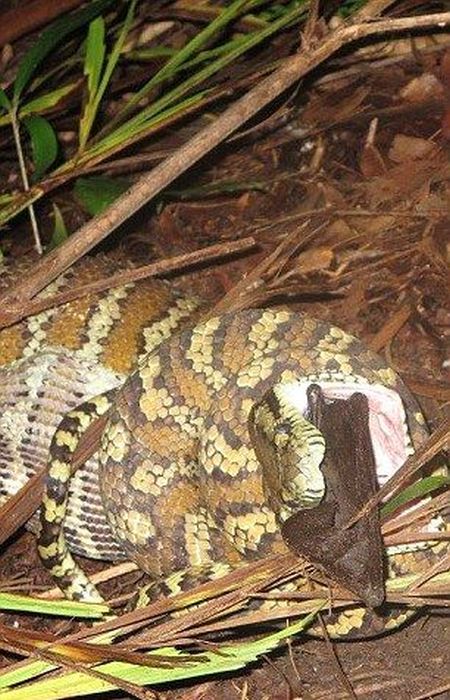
<point>387,418</point>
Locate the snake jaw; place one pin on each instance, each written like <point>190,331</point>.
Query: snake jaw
<point>387,418</point>
<point>291,449</point>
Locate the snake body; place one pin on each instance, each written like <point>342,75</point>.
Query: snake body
<point>52,362</point>
<point>177,484</point>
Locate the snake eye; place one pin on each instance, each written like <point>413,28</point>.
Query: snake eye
<point>284,428</point>
<point>282,433</point>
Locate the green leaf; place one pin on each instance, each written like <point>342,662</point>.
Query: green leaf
<point>42,103</point>
<point>226,16</point>
<point>411,493</point>
<point>99,86</point>
<point>97,193</point>
<point>67,608</point>
<point>50,38</point>
<point>44,143</point>
<point>226,658</point>
<point>142,121</point>
<point>60,233</point>
<point>47,101</point>
<point>5,101</point>
<point>95,54</point>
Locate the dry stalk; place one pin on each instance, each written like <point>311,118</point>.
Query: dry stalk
<point>162,267</point>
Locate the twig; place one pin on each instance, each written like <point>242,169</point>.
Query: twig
<point>390,328</point>
<point>421,513</point>
<point>24,175</point>
<point>239,295</point>
<point>439,567</point>
<point>107,574</point>
<point>178,262</point>
<point>431,693</point>
<point>291,70</point>
<point>23,19</point>
<point>345,680</point>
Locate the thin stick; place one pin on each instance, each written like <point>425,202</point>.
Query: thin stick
<point>25,180</point>
<point>291,70</point>
<point>431,693</point>
<point>18,21</point>
<point>178,262</point>
<point>114,571</point>
<point>390,328</point>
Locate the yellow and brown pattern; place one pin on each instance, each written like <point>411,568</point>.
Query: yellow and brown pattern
<point>54,361</point>
<point>181,485</point>
<point>177,485</point>
<point>209,465</point>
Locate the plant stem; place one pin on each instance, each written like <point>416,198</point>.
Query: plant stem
<point>24,175</point>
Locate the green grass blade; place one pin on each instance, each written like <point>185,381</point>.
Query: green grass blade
<point>49,39</point>
<point>10,206</point>
<point>44,144</point>
<point>350,6</point>
<point>217,51</point>
<point>117,50</point>
<point>149,54</point>
<point>78,684</point>
<point>199,40</point>
<point>65,608</point>
<point>159,113</point>
<point>146,118</point>
<point>93,66</point>
<point>60,232</point>
<point>411,493</point>
<point>5,102</point>
<point>95,54</point>
<point>122,137</point>
<point>22,673</point>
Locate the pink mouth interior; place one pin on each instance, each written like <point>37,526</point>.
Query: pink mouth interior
<point>386,422</point>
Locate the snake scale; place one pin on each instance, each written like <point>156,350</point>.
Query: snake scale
<point>176,485</point>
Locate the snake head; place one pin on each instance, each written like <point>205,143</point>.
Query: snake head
<point>291,449</point>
